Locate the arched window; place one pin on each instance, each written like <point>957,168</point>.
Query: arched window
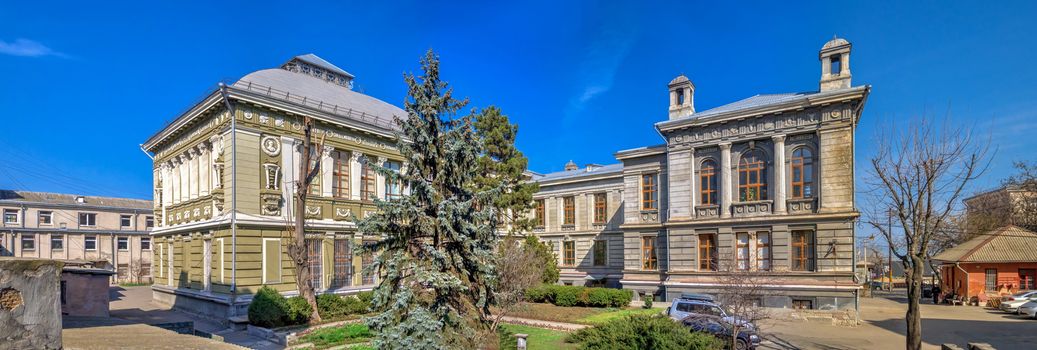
<point>708,183</point>
<point>752,177</point>
<point>802,164</point>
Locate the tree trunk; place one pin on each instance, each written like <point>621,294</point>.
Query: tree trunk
<point>297,249</point>
<point>914,296</point>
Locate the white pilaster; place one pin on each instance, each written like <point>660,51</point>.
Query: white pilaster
<point>779,174</point>
<point>694,182</point>
<point>203,168</point>
<point>379,188</point>
<point>725,180</point>
<point>326,174</point>
<point>288,173</point>
<point>354,174</point>
<point>192,179</point>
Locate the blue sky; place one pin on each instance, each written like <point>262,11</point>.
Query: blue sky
<point>81,85</point>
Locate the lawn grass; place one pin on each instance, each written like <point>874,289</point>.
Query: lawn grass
<point>332,336</point>
<point>540,338</point>
<point>579,315</point>
<point>604,317</point>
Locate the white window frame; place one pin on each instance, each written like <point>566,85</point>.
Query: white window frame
<point>45,213</point>
<point>128,219</point>
<point>88,215</point>
<point>118,240</point>
<point>62,239</point>
<point>150,246</point>
<point>87,239</point>
<point>147,220</point>
<point>21,242</point>
<point>15,211</point>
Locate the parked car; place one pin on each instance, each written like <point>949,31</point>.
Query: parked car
<point>1028,309</point>
<point>747,338</point>
<point>1020,295</point>
<point>1012,304</point>
<point>681,308</point>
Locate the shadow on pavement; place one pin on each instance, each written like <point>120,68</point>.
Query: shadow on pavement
<point>115,293</point>
<point>961,332</point>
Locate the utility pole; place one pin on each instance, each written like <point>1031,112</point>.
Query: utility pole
<point>889,228</point>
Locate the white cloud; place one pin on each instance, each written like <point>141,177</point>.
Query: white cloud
<point>602,59</point>
<point>27,48</point>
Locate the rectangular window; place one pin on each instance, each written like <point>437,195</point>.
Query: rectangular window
<point>10,216</point>
<point>649,192</point>
<point>46,218</point>
<point>393,188</point>
<point>368,182</point>
<point>145,243</point>
<point>90,242</point>
<point>763,251</point>
<point>569,257</point>
<point>340,186</point>
<point>343,260</point>
<point>802,169</point>
<point>539,213</point>
<point>57,241</point>
<point>123,243</point>
<point>569,209</point>
<point>149,221</point>
<point>837,64</point>
<point>600,208</point>
<point>28,241</point>
<point>368,277</point>
<point>125,221</point>
<point>802,250</point>
<point>271,260</point>
<point>742,246</point>
<point>601,249</point>
<point>802,304</point>
<point>990,279</point>
<point>708,183</point>
<point>87,219</point>
<point>648,259</point>
<point>708,252</point>
<point>1026,279</point>
<point>313,250</point>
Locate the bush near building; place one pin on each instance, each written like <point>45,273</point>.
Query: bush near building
<point>579,296</point>
<point>271,310</point>
<point>643,332</point>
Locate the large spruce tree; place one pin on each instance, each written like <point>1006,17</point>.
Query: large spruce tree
<point>435,255</point>
<point>501,165</point>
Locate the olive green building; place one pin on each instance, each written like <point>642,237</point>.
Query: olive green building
<point>224,175</point>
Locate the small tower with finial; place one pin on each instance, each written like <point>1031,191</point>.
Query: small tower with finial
<point>571,165</point>
<point>835,64</point>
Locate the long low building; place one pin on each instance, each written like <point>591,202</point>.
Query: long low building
<point>74,227</point>
<point>764,185</point>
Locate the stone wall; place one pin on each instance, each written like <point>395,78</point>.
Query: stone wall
<point>30,304</point>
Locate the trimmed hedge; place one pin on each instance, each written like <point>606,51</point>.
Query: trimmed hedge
<point>636,332</point>
<point>579,296</point>
<point>271,310</point>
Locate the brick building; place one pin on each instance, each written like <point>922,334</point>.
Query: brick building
<point>999,261</point>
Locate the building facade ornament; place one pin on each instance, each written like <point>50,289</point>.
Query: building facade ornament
<point>271,145</point>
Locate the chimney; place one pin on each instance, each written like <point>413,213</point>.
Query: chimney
<point>682,97</point>
<point>570,166</point>
<point>835,64</point>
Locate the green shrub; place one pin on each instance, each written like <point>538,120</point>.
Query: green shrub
<point>268,308</point>
<point>599,297</point>
<point>539,294</point>
<point>365,297</point>
<point>648,300</point>
<point>331,306</point>
<point>299,311</point>
<point>567,296</point>
<point>643,332</point>
<point>620,297</point>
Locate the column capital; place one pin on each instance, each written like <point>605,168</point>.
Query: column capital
<point>726,146</point>
<point>355,156</point>
<point>326,151</point>
<point>778,138</point>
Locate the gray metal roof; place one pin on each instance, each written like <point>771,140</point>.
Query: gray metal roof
<point>327,93</point>
<point>320,62</point>
<point>752,102</point>
<point>604,169</point>
<point>1006,244</point>
<point>28,197</point>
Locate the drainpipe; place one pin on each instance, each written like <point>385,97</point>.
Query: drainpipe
<point>233,190</point>
<point>958,265</point>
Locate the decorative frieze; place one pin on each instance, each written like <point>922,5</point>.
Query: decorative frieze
<point>777,123</point>
<point>271,204</point>
<point>754,208</point>
<point>707,211</point>
<point>649,216</point>
<point>802,206</point>
<point>568,227</point>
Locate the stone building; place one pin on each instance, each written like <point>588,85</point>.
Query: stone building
<point>764,184</point>
<point>224,175</point>
<point>1014,204</point>
<point>73,227</point>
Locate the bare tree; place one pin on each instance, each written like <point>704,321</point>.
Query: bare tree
<point>746,283</point>
<point>518,269</point>
<point>309,169</point>
<point>919,175</point>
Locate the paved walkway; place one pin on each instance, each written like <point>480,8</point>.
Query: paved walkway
<point>882,327</point>
<point>568,327</point>
<point>133,312</point>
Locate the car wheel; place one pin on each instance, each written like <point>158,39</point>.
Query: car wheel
<point>741,345</point>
